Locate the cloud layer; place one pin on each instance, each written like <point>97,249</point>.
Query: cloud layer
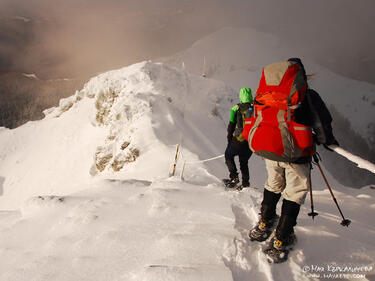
<point>82,37</point>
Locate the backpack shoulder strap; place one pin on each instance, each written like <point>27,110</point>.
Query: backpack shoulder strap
<point>239,115</point>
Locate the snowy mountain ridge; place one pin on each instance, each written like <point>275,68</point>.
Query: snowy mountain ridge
<point>85,193</point>
<point>237,56</point>
<point>130,113</point>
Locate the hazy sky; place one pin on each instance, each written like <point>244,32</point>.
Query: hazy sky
<point>81,37</point>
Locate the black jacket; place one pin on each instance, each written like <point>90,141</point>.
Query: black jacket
<point>313,112</point>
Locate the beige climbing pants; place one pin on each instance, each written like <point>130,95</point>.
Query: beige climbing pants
<point>291,180</point>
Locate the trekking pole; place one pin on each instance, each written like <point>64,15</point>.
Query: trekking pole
<point>312,213</point>
<point>175,160</point>
<point>344,222</point>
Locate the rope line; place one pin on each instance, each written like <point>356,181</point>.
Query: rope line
<point>206,160</point>
<point>193,162</point>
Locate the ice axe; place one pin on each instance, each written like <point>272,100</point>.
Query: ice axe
<point>344,222</point>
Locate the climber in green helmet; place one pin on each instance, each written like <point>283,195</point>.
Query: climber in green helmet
<point>237,145</point>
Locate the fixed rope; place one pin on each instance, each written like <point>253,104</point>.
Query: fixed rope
<point>195,162</point>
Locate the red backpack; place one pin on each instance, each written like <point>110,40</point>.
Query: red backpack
<point>272,132</point>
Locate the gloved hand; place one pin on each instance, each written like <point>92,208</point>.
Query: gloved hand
<point>230,131</point>
<point>332,141</point>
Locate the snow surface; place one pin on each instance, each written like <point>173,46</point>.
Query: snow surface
<point>30,75</point>
<point>361,163</point>
<point>85,193</point>
<point>237,56</point>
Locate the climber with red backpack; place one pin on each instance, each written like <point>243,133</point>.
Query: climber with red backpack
<point>289,119</point>
<point>237,145</point>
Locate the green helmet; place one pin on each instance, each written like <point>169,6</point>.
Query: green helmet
<point>245,95</point>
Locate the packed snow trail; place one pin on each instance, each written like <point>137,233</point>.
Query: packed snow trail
<point>165,230</point>
<point>124,230</point>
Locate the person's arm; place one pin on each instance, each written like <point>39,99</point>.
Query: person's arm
<point>324,132</point>
<point>232,122</point>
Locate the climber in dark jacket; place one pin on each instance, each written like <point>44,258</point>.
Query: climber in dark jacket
<point>237,145</point>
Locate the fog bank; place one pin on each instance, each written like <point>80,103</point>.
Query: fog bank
<point>82,37</point>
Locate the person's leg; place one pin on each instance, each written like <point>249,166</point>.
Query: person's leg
<point>276,176</point>
<point>244,156</point>
<point>272,192</point>
<point>287,221</point>
<point>297,182</point>
<point>268,207</point>
<point>229,161</point>
<point>273,188</point>
<point>297,186</point>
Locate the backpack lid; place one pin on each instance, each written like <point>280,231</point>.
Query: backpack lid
<point>286,77</point>
<point>274,73</point>
<point>245,95</point>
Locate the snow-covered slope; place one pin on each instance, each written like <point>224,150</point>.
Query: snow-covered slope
<point>85,193</point>
<point>136,113</point>
<point>237,56</point>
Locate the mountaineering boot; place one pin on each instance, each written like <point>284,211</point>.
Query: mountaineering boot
<point>262,230</point>
<point>268,217</point>
<point>288,219</point>
<point>282,245</point>
<point>245,184</point>
<point>231,182</point>
<point>284,236</point>
<point>278,250</point>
